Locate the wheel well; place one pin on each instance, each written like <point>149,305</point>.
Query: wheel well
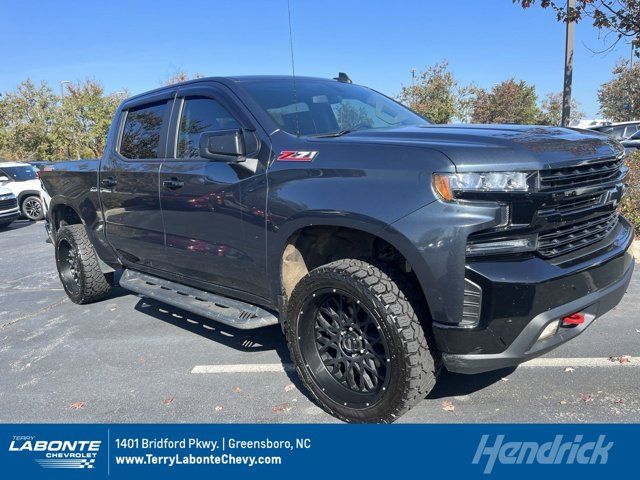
<point>62,215</point>
<point>314,246</point>
<point>24,195</point>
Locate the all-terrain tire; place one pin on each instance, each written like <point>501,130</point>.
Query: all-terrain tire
<point>385,294</point>
<point>78,267</point>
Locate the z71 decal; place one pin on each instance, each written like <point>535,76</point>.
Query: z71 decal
<point>293,156</point>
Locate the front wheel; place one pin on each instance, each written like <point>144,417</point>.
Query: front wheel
<point>357,341</point>
<point>78,267</point>
<point>32,208</point>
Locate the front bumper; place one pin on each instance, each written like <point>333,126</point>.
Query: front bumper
<point>526,345</point>
<point>10,215</point>
<point>521,294</point>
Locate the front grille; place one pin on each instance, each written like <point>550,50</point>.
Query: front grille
<point>572,204</point>
<point>576,176</point>
<point>577,235</point>
<point>8,204</point>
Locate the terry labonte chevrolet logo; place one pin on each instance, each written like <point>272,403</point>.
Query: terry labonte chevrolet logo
<point>57,453</point>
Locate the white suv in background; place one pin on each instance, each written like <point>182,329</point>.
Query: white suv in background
<point>22,179</point>
<point>8,207</point>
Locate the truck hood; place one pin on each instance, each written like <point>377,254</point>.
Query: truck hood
<point>498,147</point>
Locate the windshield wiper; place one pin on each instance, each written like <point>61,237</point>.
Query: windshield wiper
<point>333,134</point>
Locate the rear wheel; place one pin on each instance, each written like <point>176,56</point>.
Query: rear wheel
<point>32,208</point>
<point>357,341</point>
<point>78,266</point>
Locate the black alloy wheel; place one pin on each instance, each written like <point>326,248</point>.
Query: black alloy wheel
<point>344,348</point>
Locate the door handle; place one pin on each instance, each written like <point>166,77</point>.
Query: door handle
<point>108,182</point>
<point>173,184</point>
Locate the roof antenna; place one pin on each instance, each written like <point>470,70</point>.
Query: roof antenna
<point>293,70</point>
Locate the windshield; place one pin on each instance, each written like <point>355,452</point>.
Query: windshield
<point>19,174</point>
<point>324,107</point>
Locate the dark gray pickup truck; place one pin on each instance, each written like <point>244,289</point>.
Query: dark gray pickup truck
<point>386,247</point>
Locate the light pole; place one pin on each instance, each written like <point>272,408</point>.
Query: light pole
<point>62,84</point>
<point>568,66</point>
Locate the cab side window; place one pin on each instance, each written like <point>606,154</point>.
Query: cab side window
<point>142,128</point>
<point>200,114</point>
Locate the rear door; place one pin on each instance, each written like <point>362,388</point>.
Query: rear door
<point>213,211</point>
<point>129,185</point>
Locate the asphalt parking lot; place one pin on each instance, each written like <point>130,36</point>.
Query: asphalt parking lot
<point>128,359</point>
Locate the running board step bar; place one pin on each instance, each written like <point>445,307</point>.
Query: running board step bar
<point>222,309</point>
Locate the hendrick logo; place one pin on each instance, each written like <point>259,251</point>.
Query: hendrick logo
<point>58,453</point>
<point>553,452</point>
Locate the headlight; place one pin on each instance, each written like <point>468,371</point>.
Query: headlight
<point>448,185</point>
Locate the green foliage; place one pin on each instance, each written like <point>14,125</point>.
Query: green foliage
<point>630,206</point>
<point>436,95</point>
<point>620,97</point>
<point>36,125</point>
<point>507,102</point>
<point>622,17</point>
<point>27,118</point>
<point>551,107</point>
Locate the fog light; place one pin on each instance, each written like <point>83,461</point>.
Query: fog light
<point>550,330</point>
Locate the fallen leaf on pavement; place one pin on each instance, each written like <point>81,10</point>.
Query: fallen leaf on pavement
<point>168,401</point>
<point>563,402</point>
<point>620,400</point>
<point>569,369</point>
<point>78,405</point>
<point>448,406</point>
<point>237,390</point>
<point>284,407</point>
<point>586,398</point>
<point>620,359</point>
<point>504,379</point>
<point>289,387</point>
<point>218,408</point>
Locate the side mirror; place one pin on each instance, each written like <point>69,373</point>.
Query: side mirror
<point>4,179</point>
<point>223,145</point>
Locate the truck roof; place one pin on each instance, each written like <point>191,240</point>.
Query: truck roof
<point>230,80</point>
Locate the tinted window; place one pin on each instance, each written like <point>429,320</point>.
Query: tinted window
<point>19,174</point>
<point>141,135</point>
<point>201,115</point>
<point>316,107</point>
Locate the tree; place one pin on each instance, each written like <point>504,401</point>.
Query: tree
<point>620,97</point>
<point>552,110</point>
<point>507,102</point>
<point>27,122</point>
<point>84,117</point>
<point>622,17</point>
<point>436,95</point>
<point>180,76</point>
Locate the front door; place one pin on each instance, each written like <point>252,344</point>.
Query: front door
<point>214,220</point>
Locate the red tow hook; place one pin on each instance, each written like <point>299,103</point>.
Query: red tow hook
<point>573,320</point>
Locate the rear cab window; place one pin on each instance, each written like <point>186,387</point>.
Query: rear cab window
<point>142,130</point>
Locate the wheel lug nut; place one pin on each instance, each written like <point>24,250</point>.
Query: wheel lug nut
<point>351,329</point>
<point>362,350</point>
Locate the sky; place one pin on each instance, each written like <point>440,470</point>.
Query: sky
<point>136,44</point>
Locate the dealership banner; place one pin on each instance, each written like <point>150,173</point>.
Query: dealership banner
<point>316,451</point>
